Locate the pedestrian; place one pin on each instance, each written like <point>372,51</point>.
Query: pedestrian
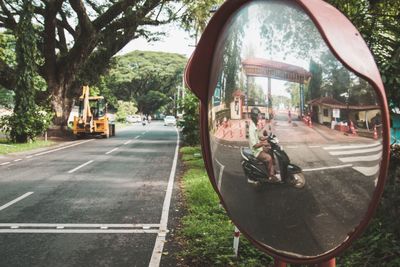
<point>149,119</point>
<point>290,116</point>
<point>260,147</point>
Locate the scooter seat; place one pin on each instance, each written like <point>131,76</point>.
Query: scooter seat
<point>247,153</point>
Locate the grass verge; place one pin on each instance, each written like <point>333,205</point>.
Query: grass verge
<point>7,147</point>
<point>207,232</point>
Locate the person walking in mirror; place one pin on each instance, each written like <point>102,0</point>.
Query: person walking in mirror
<point>260,147</point>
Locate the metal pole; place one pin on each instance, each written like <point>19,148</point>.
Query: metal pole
<point>236,237</point>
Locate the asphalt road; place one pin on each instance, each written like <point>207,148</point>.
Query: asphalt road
<point>92,202</point>
<point>340,180</point>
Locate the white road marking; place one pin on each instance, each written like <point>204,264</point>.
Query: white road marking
<point>314,146</point>
<point>374,157</point>
<point>160,240</point>
<point>81,166</point>
<point>16,160</point>
<point>79,225</point>
<point>28,157</point>
<point>112,150</point>
<point>221,171</point>
<point>368,171</point>
<point>359,151</point>
<point>137,137</point>
<point>15,200</point>
<point>77,231</point>
<point>128,142</point>
<point>336,147</point>
<point>5,163</point>
<point>291,147</point>
<point>63,147</point>
<point>328,168</point>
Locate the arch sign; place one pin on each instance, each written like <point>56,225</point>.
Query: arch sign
<point>294,125</point>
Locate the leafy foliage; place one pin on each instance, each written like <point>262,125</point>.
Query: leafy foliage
<point>28,120</point>
<point>125,108</point>
<point>379,24</point>
<point>191,124</point>
<point>150,78</point>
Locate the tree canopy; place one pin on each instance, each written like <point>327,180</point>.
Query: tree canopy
<point>149,78</point>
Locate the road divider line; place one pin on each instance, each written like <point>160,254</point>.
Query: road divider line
<point>137,137</point>
<point>78,231</point>
<point>16,160</point>
<point>328,168</point>
<point>161,237</point>
<point>112,150</point>
<point>81,166</point>
<point>128,142</point>
<point>79,225</point>
<point>16,200</point>
<point>5,163</point>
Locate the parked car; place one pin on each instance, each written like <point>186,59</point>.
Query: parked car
<point>169,120</point>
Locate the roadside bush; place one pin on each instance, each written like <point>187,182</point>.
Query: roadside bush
<point>190,124</point>
<point>31,124</point>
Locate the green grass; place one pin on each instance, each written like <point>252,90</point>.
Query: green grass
<point>7,147</point>
<point>206,229</point>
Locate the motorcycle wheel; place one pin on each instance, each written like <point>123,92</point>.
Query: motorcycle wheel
<point>298,180</point>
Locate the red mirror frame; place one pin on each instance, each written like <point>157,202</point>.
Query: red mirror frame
<point>350,49</point>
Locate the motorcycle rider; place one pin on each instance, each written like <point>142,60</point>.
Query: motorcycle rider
<point>260,147</point>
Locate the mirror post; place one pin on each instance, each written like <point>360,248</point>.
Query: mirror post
<point>279,263</point>
<point>330,263</point>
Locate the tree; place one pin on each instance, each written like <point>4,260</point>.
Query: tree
<point>379,23</point>
<point>78,38</point>
<point>138,75</point>
<point>27,121</point>
<point>198,14</point>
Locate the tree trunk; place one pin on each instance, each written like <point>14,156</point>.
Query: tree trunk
<point>61,104</point>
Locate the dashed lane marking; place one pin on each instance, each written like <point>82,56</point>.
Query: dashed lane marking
<point>15,200</point>
<point>112,150</point>
<point>81,166</point>
<point>5,163</point>
<point>16,160</point>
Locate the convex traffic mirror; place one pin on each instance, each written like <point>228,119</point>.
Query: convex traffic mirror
<point>294,124</point>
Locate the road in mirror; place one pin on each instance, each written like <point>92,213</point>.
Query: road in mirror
<point>312,125</point>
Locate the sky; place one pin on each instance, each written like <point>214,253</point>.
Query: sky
<point>176,41</point>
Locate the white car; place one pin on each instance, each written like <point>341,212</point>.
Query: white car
<point>169,120</point>
<point>133,118</point>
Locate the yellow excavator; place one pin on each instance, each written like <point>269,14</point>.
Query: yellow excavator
<point>92,118</point>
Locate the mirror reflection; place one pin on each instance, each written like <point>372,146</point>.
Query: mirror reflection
<point>295,135</point>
